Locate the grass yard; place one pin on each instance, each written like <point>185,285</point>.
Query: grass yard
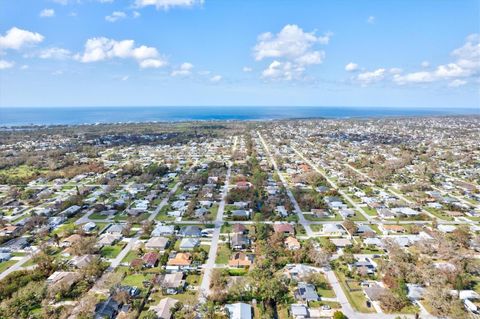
<point>111,252</point>
<point>65,228</point>
<point>6,264</point>
<point>370,211</point>
<point>358,217</point>
<point>300,230</point>
<point>314,218</point>
<point>136,280</point>
<point>223,254</point>
<point>130,256</point>
<point>438,213</point>
<point>193,280</point>
<point>356,298</point>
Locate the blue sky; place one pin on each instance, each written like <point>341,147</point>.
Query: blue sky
<point>417,53</point>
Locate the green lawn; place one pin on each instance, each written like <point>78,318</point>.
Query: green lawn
<point>6,264</point>
<point>327,293</point>
<point>314,218</point>
<point>193,280</point>
<point>65,228</point>
<point>130,256</point>
<point>300,230</point>
<point>358,217</point>
<point>97,216</point>
<point>370,211</point>
<point>223,254</point>
<point>111,251</point>
<point>438,213</point>
<point>136,279</point>
<point>356,298</point>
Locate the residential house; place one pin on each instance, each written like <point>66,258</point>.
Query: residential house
<point>180,260</point>
<point>107,309</point>
<point>82,261</point>
<point>150,259</point>
<point>239,229</point>
<point>292,243</point>
<point>240,214</point>
<point>164,308</point>
<point>108,239</point>
<point>306,292</point>
<point>67,277</point>
<point>373,292</point>
<point>115,229</point>
<point>89,227</point>
<point>70,240</point>
<point>284,228</point>
<point>5,256</point>
<point>159,243</point>
<point>163,230</point>
<point>239,310</point>
<point>9,230</point>
<point>333,230</point>
<point>240,260</point>
<point>173,283</point>
<point>189,243</point>
<point>239,241</point>
<point>341,242</point>
<point>392,229</point>
<point>190,231</point>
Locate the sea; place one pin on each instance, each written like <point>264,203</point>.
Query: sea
<point>41,116</point>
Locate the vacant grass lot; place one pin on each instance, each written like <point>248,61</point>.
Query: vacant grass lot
<point>223,254</point>
<point>111,252</point>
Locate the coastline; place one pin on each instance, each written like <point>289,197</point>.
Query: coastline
<point>18,117</point>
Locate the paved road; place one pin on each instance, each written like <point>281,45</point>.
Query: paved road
<point>351,313</point>
<point>305,223</point>
<point>212,254</point>
<point>116,262</point>
<point>86,218</point>
<point>333,184</point>
<point>17,265</point>
<point>164,202</point>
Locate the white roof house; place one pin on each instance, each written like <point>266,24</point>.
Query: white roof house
<point>239,310</point>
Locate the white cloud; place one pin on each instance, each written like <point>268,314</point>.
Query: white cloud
<point>167,4</point>
<point>184,70</point>
<point>152,63</point>
<point>16,38</point>
<point>292,50</point>
<point>124,78</point>
<point>24,67</point>
<point>290,42</point>
<point>47,13</point>
<point>216,78</point>
<point>371,76</point>
<point>351,67</point>
<point>395,70</point>
<point>62,2</point>
<point>136,14</point>
<point>466,65</point>
<point>371,20</point>
<point>457,83</point>
<point>4,64</point>
<point>54,53</point>
<point>115,16</point>
<point>415,77</point>
<point>283,71</point>
<point>100,49</point>
<point>247,69</point>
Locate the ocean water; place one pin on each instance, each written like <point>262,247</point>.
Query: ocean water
<point>22,116</point>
